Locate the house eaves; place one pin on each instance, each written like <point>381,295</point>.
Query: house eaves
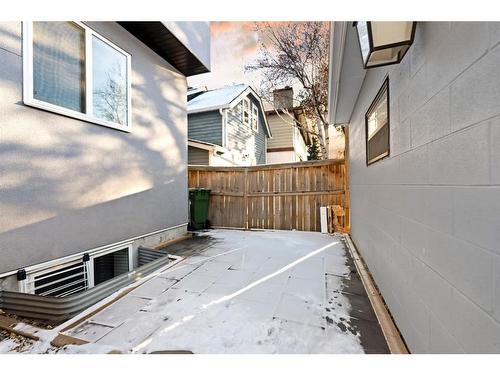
<point>346,72</point>
<point>185,45</point>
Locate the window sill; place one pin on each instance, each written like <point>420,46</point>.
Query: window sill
<point>74,114</point>
<point>378,158</point>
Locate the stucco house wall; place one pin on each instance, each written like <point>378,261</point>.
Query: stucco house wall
<point>68,185</point>
<point>427,218</point>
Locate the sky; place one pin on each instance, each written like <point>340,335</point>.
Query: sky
<point>233,45</point>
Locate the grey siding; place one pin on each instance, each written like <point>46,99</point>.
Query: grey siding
<point>206,127</point>
<point>66,185</point>
<point>197,156</point>
<point>240,135</point>
<point>427,219</point>
<point>282,132</point>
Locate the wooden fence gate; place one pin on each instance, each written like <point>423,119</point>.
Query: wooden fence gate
<point>276,196</point>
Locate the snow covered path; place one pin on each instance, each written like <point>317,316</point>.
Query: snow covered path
<point>247,292</point>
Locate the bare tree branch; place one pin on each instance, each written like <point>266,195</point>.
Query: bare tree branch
<point>297,54</point>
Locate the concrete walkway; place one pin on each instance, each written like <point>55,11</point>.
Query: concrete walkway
<point>244,292</point>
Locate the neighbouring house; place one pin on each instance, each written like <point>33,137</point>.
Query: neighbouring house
<point>424,161</point>
<point>226,126</point>
<point>93,147</point>
<point>336,143</point>
<point>289,142</point>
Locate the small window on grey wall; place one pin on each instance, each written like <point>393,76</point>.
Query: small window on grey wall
<point>377,126</point>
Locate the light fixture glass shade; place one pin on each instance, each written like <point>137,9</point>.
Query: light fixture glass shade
<point>384,43</point>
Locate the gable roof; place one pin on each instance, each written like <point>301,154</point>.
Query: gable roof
<point>225,98</point>
<point>215,99</point>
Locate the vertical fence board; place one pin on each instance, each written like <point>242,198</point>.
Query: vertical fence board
<point>284,196</point>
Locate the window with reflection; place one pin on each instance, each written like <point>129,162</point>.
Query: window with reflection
<point>59,64</point>
<point>109,82</point>
<point>377,126</point>
<point>74,71</point>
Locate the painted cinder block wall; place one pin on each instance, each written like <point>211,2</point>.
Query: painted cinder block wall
<point>66,185</point>
<point>427,219</point>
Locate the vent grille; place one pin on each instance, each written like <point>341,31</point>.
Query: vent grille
<point>60,281</point>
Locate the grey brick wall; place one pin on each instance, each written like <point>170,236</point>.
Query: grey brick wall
<point>427,219</point>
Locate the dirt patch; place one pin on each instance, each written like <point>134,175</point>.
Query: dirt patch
<point>21,344</point>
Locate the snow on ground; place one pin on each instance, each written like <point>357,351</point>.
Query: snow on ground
<point>8,345</point>
<point>249,292</point>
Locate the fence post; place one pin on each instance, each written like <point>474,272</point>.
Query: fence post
<point>245,199</point>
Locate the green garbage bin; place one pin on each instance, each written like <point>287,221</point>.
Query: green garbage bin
<point>198,208</point>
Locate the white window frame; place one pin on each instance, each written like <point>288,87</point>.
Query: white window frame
<point>27,285</point>
<point>105,252</point>
<point>248,120</point>
<point>88,116</point>
<point>255,118</point>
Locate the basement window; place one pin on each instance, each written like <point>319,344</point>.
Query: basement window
<point>377,126</point>
<point>77,275</point>
<point>110,265</point>
<point>59,281</point>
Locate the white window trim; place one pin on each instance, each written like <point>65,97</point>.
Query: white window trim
<point>108,251</point>
<point>28,285</point>
<point>25,286</point>
<point>255,115</point>
<point>29,99</point>
<point>248,121</point>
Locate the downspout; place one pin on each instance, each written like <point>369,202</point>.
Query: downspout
<point>223,113</point>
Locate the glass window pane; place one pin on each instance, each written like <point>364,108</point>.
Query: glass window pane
<point>59,64</point>
<point>109,77</point>
<point>363,39</point>
<point>378,117</point>
<point>377,123</point>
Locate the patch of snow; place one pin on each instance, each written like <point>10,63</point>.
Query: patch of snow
<point>257,292</point>
<point>216,98</point>
<point>8,345</point>
<point>265,293</point>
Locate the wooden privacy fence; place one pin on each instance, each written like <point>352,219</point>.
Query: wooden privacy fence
<point>278,196</point>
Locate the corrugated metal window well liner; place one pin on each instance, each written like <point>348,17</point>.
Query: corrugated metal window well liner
<point>62,291</point>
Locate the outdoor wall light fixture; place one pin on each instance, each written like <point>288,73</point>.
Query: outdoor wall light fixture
<point>384,43</point>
